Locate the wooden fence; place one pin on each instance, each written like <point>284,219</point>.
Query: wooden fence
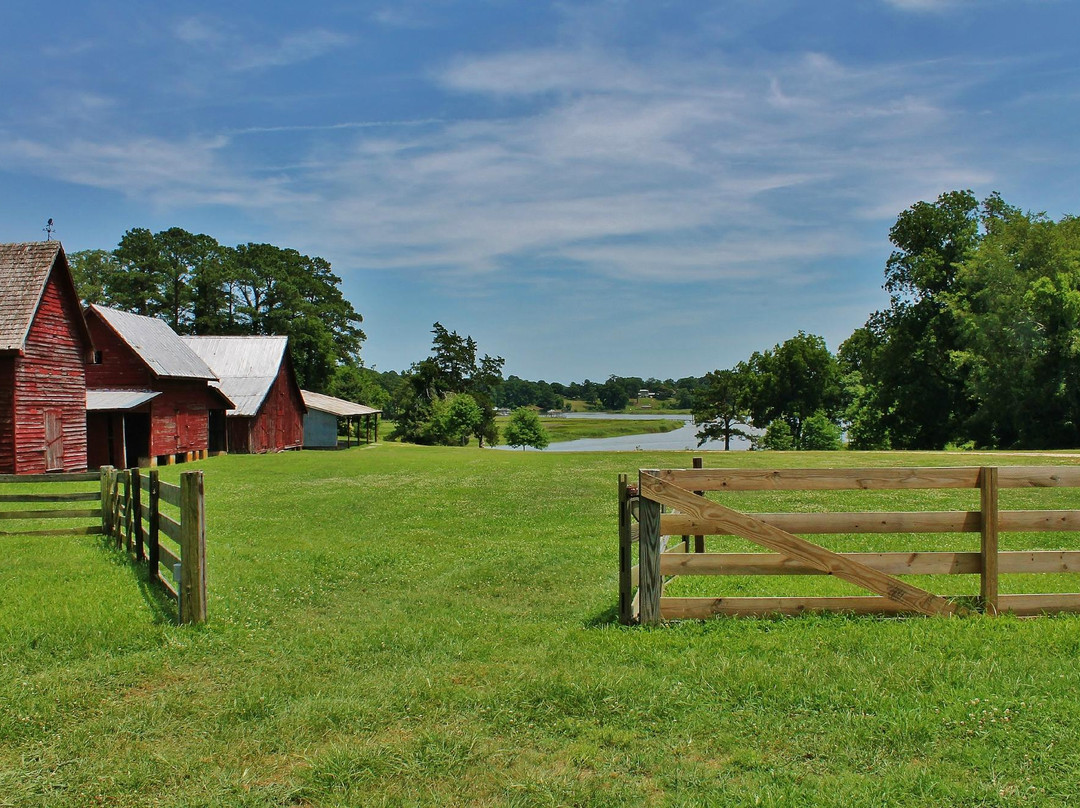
<point>671,504</point>
<point>131,512</point>
<point>53,497</point>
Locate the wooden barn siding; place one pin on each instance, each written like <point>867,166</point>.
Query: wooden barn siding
<point>120,368</point>
<point>279,423</point>
<point>180,417</point>
<point>51,375</point>
<point>239,429</point>
<point>7,415</point>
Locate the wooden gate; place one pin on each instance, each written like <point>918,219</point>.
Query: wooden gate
<point>682,491</point>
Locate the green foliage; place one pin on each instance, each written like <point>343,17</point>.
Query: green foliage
<point>820,433</point>
<point>453,419</point>
<point>721,406</point>
<point>613,395</point>
<point>792,382</point>
<point>778,436</point>
<point>525,429</point>
<point>452,368</point>
<point>199,286</point>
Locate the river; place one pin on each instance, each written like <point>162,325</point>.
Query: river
<point>683,438</point>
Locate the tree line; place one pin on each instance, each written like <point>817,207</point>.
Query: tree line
<point>199,286</point>
<point>978,347</point>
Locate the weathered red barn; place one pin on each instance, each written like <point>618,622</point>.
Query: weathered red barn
<point>150,399</point>
<point>256,373</point>
<point>44,347</point>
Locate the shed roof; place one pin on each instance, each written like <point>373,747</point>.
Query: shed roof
<point>155,344</point>
<point>246,366</point>
<point>114,400</point>
<point>24,270</point>
<point>335,406</point>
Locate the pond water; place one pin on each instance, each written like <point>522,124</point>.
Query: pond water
<point>683,438</point>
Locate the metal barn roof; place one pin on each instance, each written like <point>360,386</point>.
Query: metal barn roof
<point>246,366</point>
<point>114,400</point>
<point>156,344</point>
<point>335,406</point>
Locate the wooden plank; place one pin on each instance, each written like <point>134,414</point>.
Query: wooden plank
<point>1036,521</point>
<point>72,513</point>
<point>170,587</point>
<point>988,575</point>
<point>1032,521</point>
<point>137,515</point>
<point>1039,477</point>
<point>703,608</point>
<point>170,493</point>
<point>792,546</point>
<point>169,526</point>
<point>153,519</point>
<point>168,557</point>
<point>942,563</point>
<point>699,539</point>
<point>821,523</point>
<point>193,548</point>
<point>79,496</point>
<point>89,530</point>
<point>650,582</point>
<point>1031,605</point>
<point>869,479</point>
<point>626,584</point>
<point>680,546</point>
<point>1036,561</point>
<point>70,477</point>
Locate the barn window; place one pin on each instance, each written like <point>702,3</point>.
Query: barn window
<point>96,358</point>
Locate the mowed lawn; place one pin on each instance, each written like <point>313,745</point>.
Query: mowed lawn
<point>396,625</point>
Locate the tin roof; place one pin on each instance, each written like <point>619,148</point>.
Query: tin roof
<point>246,366</point>
<point>24,270</point>
<point>335,406</point>
<point>155,344</point>
<point>113,400</point>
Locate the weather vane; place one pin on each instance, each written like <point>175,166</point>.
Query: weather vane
<point>49,229</point>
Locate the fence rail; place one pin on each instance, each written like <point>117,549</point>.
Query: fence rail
<point>36,498</point>
<point>681,493</point>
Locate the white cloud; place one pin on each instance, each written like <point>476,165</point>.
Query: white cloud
<point>291,49</point>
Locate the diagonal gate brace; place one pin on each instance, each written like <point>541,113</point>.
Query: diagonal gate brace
<point>774,538</point>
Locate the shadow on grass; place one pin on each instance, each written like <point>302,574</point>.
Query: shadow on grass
<point>162,606</point>
<point>608,617</point>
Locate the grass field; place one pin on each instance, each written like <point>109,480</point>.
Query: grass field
<point>563,429</point>
<point>395,625</point>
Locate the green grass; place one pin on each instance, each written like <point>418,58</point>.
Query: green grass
<point>563,429</point>
<point>399,625</point>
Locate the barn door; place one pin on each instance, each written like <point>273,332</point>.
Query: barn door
<point>54,441</point>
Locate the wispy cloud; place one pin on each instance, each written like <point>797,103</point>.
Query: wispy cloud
<point>291,49</point>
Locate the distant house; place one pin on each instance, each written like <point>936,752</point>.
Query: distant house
<point>256,374</point>
<point>323,415</point>
<point>149,397</point>
<point>44,347</point>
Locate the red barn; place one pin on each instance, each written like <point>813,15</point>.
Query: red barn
<point>44,347</point>
<point>256,373</point>
<point>149,397</point>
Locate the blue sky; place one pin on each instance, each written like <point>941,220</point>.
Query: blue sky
<point>639,188</point>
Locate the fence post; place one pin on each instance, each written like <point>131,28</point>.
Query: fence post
<point>988,505</point>
<point>650,584</point>
<point>192,548</point>
<point>136,499</point>
<point>106,507</point>
<point>699,541</point>
<point>153,555</point>
<point>625,554</point>
<point>129,524</point>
